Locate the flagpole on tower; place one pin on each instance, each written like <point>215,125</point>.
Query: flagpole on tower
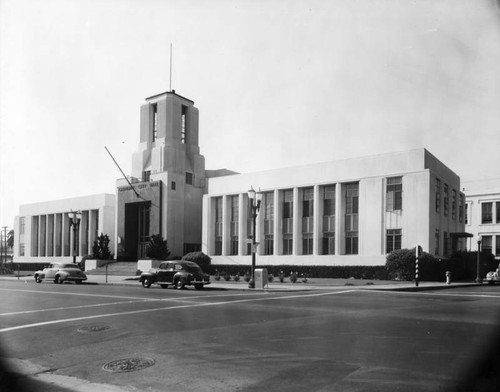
<point>170,67</point>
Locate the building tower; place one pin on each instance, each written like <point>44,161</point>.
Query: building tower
<point>168,181</point>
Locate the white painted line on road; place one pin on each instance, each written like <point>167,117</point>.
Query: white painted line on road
<point>433,293</point>
<point>193,305</point>
<point>75,294</point>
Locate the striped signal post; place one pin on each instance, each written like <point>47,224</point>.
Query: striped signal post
<point>418,253</point>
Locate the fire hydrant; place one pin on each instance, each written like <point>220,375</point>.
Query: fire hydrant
<point>448,277</point>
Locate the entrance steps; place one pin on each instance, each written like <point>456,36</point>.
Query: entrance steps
<point>122,268</point>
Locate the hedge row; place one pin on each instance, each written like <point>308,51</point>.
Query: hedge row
<point>9,268</point>
<point>401,265</point>
<point>315,271</point>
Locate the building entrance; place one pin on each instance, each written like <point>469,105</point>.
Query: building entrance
<point>137,218</point>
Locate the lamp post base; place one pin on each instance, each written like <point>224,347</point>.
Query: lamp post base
<point>479,280</point>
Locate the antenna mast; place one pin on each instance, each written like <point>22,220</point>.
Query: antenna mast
<point>170,67</point>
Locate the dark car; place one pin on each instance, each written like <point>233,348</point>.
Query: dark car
<point>177,273</point>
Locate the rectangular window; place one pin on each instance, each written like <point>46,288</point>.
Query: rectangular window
<point>287,244</point>
<point>486,244</point>
<point>394,194</point>
<point>467,209</point>
<point>487,212</point>
<point>393,240</point>
<point>307,210</point>
<point>154,134</point>
<point>461,209</point>
<point>189,178</point>
<point>454,204</point>
<point>172,185</point>
<point>445,199</point>
<point>437,191</point>
<point>497,245</point>
<point>445,243</point>
<point>184,124</point>
<point>307,244</point>
<point>351,218</point>
<point>268,244</point>
<point>268,200</point>
<point>234,202</point>
<point>22,225</point>
<point>146,176</point>
<point>329,200</point>
<point>287,204</point>
<point>287,212</point>
<point>328,243</point>
<point>218,226</point>
<point>497,205</point>
<point>437,246</point>
<point>307,202</point>
<point>351,243</point>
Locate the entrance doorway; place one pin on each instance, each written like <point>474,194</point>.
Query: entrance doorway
<point>137,218</point>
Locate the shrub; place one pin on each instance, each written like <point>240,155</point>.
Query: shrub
<point>100,249</point>
<point>199,258</point>
<point>236,277</point>
<point>157,248</point>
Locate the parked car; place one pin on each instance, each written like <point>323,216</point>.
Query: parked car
<point>61,272</point>
<point>178,273</point>
<point>493,276</point>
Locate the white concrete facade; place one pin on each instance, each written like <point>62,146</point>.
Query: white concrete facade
<point>361,225</point>
<point>483,214</point>
<point>42,232</point>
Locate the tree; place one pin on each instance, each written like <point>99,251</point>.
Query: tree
<point>157,248</point>
<point>10,239</point>
<point>199,258</point>
<point>100,249</point>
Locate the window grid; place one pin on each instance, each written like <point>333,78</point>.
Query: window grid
<point>393,240</point>
<point>394,193</point>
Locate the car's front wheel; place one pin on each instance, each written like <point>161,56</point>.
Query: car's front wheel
<point>146,283</point>
<point>37,279</point>
<point>180,284</point>
<point>58,280</point>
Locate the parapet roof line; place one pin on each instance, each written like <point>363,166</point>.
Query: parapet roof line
<point>170,92</point>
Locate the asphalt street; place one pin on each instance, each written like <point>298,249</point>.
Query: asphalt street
<point>126,338</point>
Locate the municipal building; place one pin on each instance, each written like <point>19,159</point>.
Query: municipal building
<point>342,212</point>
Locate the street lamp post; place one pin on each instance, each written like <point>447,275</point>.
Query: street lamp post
<point>74,221</point>
<point>255,198</point>
<point>478,278</point>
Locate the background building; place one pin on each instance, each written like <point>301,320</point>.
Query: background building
<point>42,231</point>
<point>482,218</point>
<point>350,212</point>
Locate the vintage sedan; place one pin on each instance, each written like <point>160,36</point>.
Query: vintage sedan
<point>179,273</point>
<point>61,272</point>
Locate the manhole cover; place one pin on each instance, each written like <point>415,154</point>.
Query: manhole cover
<point>94,328</point>
<point>128,365</point>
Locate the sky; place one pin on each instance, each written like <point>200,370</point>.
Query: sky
<point>278,83</point>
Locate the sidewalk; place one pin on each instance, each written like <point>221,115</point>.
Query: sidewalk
<point>311,285</point>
